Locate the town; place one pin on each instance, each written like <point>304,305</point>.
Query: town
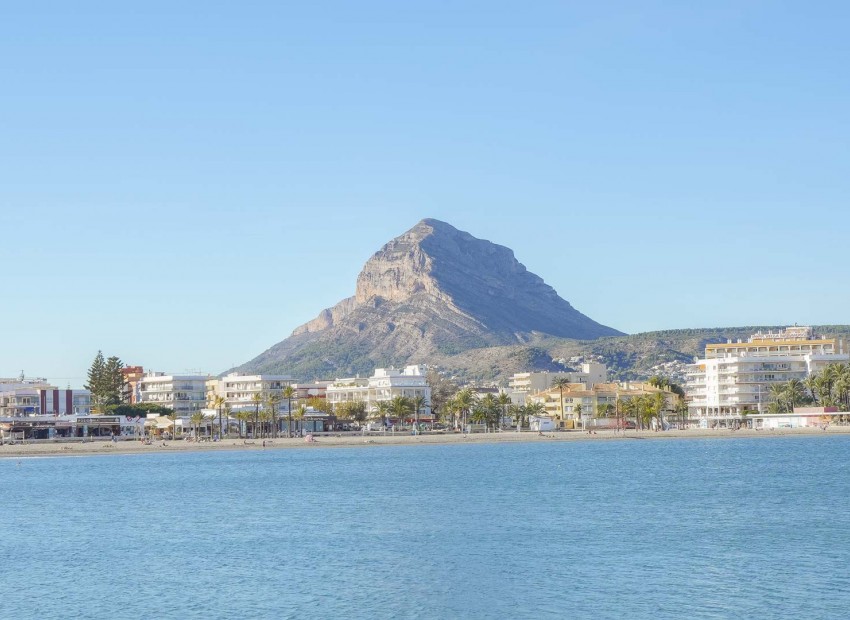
<point>789,378</point>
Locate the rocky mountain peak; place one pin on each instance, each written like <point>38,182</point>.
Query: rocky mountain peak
<point>435,289</point>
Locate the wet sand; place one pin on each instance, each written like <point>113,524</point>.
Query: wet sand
<point>331,440</point>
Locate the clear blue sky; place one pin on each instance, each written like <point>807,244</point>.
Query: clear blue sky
<point>182,184</point>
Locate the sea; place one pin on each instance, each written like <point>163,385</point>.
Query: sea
<point>633,528</point>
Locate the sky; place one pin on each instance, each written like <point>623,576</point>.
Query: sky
<point>183,184</point>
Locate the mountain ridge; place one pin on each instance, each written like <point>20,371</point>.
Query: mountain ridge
<point>432,291</point>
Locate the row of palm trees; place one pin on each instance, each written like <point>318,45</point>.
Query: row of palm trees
<point>828,388</point>
<point>263,420</point>
<point>401,408</point>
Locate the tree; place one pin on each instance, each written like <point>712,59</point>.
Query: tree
<point>287,393</point>
<point>418,403</point>
<point>491,409</point>
<point>504,401</point>
<point>462,402</point>
<point>105,382</point>
<point>442,392</point>
<point>257,399</point>
<point>273,403</point>
<point>400,407</point>
<point>382,410</point>
<point>173,418</point>
<point>534,408</point>
<point>197,419</point>
<point>300,413</point>
<point>351,410</point>
<point>218,402</point>
<point>560,383</point>
<point>478,414</point>
<point>243,416</point>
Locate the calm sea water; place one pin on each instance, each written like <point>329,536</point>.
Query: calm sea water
<point>737,528</point>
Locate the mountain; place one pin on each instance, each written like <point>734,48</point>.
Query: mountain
<point>429,294</point>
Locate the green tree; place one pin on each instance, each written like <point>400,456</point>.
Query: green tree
<point>197,419</point>
<point>462,403</point>
<point>491,409</point>
<point>257,399</point>
<point>504,401</point>
<point>382,410</point>
<point>561,383</point>
<point>273,404</point>
<point>400,407</point>
<point>105,382</point>
<point>218,402</point>
<point>351,410</point>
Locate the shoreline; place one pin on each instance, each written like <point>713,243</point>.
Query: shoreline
<point>351,440</point>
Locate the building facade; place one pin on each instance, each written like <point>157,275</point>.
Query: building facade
<point>384,385</point>
<point>185,394</point>
<point>523,384</point>
<point>243,391</point>
<point>602,399</point>
<point>734,378</point>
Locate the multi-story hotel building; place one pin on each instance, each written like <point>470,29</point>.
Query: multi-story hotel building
<point>239,391</point>
<point>384,385</point>
<point>735,377</point>
<point>185,394</point>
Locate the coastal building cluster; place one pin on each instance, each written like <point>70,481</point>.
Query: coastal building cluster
<point>733,385</point>
<point>735,381</point>
<point>34,408</point>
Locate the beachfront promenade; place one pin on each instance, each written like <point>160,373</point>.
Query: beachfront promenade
<point>356,439</point>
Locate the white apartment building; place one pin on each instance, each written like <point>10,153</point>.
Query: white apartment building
<point>735,377</point>
<point>528,383</point>
<point>384,385</point>
<point>239,391</point>
<point>185,394</point>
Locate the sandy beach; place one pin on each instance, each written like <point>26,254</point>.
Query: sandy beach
<point>350,440</point>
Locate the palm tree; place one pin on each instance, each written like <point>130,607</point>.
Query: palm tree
<point>577,412</point>
<point>299,415</point>
<point>811,383</point>
<point>400,407</point>
<point>560,383</point>
<point>218,402</point>
<point>504,400</point>
<point>777,393</point>
<point>272,402</point>
<point>479,413</point>
<point>287,393</point>
<point>173,417</point>
<point>534,408</point>
<point>382,409</point>
<point>463,402</point>
<point>197,419</point>
<point>243,416</point>
<point>491,409</point>
<point>257,399</point>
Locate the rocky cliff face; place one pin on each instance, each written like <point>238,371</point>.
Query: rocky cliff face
<point>430,292</point>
